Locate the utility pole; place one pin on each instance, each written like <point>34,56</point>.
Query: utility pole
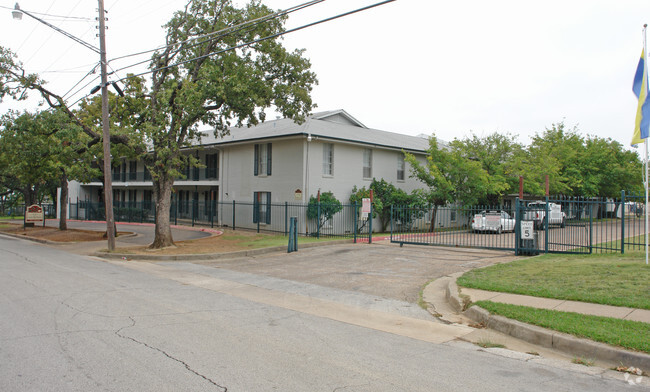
<point>17,13</point>
<point>106,135</point>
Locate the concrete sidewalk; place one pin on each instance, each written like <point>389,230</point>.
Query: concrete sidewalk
<point>560,305</point>
<point>449,302</point>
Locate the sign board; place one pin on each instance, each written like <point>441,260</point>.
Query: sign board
<point>527,230</point>
<point>365,205</point>
<point>34,213</point>
<point>297,194</point>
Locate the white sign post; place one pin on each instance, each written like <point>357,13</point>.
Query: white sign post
<point>365,207</point>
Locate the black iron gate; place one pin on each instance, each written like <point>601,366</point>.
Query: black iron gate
<point>485,227</point>
<point>548,225</point>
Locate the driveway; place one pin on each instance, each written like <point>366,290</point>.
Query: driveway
<point>380,269</point>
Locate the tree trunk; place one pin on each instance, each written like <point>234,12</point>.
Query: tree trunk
<point>432,227</point>
<point>63,203</point>
<point>29,196</point>
<point>162,190</point>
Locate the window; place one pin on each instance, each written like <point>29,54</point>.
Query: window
<point>452,216</point>
<point>328,159</point>
<point>262,207</point>
<point>367,163</point>
<point>212,166</point>
<point>262,159</point>
<point>133,170</point>
<point>400,167</point>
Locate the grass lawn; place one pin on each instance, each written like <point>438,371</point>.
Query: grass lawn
<point>229,241</point>
<point>611,279</point>
<point>631,335</point>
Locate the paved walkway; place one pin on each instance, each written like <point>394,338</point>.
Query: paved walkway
<point>561,305</point>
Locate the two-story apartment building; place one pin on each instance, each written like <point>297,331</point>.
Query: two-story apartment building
<point>277,161</point>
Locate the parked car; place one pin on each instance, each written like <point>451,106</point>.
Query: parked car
<point>537,213</point>
<point>494,221</point>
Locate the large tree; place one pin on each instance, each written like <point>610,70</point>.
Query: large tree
<point>26,164</point>
<point>450,177</point>
<point>216,69</point>
<point>221,66</point>
<point>39,153</point>
<point>493,152</point>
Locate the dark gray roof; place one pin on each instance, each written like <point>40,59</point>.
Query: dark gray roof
<point>324,125</point>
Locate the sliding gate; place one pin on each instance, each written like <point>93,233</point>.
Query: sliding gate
<point>453,226</point>
<point>550,225</point>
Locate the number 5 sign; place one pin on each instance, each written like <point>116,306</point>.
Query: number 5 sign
<point>526,230</point>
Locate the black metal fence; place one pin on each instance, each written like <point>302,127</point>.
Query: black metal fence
<point>548,225</point>
<point>454,226</point>
<point>317,219</point>
<point>18,211</point>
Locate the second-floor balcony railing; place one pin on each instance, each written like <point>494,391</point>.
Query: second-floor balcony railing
<point>195,174</point>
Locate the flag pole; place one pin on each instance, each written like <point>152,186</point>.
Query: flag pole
<point>645,184</point>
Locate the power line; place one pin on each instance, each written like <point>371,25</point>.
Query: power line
<point>262,39</point>
<point>244,44</point>
<point>234,28</point>
<point>92,71</point>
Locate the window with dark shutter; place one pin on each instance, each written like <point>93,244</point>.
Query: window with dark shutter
<point>268,159</point>
<point>256,160</point>
<point>262,163</point>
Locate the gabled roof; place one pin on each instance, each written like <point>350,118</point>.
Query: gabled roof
<point>336,125</point>
<point>338,116</point>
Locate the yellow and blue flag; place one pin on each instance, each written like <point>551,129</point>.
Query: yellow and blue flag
<point>640,89</point>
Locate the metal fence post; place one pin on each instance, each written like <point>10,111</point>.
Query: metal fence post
<point>517,225</point>
<point>194,207</point>
<point>546,226</point>
<point>286,216</point>
<point>355,222</point>
<point>370,224</point>
<point>591,227</point>
<point>318,221</point>
<point>233,215</point>
<point>392,216</point>
<point>622,222</point>
<point>213,208</point>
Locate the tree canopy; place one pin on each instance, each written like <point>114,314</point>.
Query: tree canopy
<point>216,69</point>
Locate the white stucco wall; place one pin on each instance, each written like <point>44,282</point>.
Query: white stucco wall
<point>239,182</point>
<point>348,169</point>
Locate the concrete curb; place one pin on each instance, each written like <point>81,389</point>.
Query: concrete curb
<point>453,296</point>
<point>213,256</point>
<point>551,339</point>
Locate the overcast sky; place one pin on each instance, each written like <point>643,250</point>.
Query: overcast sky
<point>410,66</point>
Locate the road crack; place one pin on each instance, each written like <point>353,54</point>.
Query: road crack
<point>163,352</point>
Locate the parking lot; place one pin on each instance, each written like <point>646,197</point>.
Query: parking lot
<point>381,269</point>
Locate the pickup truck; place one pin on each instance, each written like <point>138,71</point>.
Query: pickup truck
<point>495,221</point>
<point>537,210</point>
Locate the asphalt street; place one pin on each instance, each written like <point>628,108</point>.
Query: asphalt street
<point>76,323</point>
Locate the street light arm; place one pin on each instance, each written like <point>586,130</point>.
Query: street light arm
<point>82,42</point>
